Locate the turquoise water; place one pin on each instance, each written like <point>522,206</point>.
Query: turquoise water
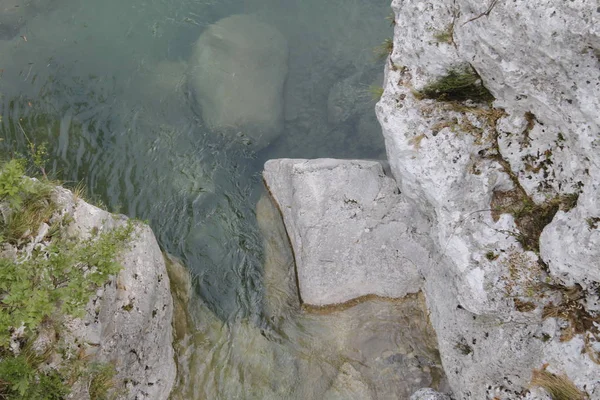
<point>103,83</point>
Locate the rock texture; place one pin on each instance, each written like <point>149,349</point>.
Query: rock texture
<point>237,70</point>
<point>511,188</point>
<point>128,321</point>
<point>428,394</point>
<point>351,232</point>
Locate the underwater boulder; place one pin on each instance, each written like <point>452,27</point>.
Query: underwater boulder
<point>237,72</point>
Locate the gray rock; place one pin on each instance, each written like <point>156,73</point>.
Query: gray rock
<point>352,233</point>
<point>237,70</point>
<point>128,323</point>
<point>428,394</point>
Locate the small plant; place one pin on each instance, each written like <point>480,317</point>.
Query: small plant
<point>376,92</point>
<point>22,379</point>
<point>559,387</point>
<point>392,18</point>
<point>593,222</point>
<point>102,380</point>
<point>491,256</point>
<point>384,49</point>
<point>459,84</point>
<point>26,202</point>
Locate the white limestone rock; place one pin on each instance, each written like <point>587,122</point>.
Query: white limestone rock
<point>541,63</point>
<point>128,321</point>
<point>237,70</point>
<point>428,394</point>
<point>351,231</point>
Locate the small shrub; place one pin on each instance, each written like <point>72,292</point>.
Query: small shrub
<point>21,379</point>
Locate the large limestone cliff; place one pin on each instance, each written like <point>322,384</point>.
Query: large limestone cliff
<point>510,183</point>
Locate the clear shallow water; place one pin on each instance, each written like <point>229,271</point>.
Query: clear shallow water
<point>103,83</point>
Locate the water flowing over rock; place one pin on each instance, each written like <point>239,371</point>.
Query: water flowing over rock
<point>509,179</point>
<point>237,70</point>
<point>349,229</point>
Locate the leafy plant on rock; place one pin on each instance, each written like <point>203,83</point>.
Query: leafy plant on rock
<point>44,281</point>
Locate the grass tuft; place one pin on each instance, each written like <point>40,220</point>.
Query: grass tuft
<point>376,92</point>
<point>459,84</point>
<point>559,387</point>
<point>384,49</point>
<point>102,380</point>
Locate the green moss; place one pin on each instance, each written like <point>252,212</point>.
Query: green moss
<point>458,84</point>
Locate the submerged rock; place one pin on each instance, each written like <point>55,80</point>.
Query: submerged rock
<point>352,233</point>
<point>237,71</point>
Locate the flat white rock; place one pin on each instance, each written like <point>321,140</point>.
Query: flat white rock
<point>352,233</point>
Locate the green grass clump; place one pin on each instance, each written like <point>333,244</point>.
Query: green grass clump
<point>101,381</point>
<point>25,203</point>
<point>458,84</point>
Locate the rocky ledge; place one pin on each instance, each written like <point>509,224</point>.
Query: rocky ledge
<point>86,303</point>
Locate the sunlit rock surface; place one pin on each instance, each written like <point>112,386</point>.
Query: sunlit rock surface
<point>351,231</point>
<point>237,70</point>
<point>128,320</point>
<point>500,310</point>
